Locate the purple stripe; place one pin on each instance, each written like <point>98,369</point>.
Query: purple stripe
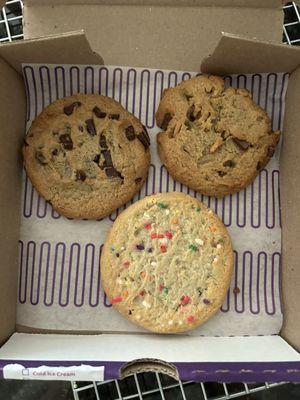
<point>34,90</point>
<point>62,82</point>
<point>115,80</point>
<point>156,94</point>
<point>280,282</point>
<point>244,194</point>
<point>282,96</point>
<point>131,109</point>
<point>42,79</point>
<point>288,371</point>
<point>28,187</point>
<point>73,88</point>
<point>102,71</point>
<point>98,281</point>
<point>171,74</point>
<point>106,302</point>
<point>256,94</point>
<point>86,79</point>
<point>41,203</point>
<point>28,93</point>
<point>21,251</point>
<point>273,206</point>
<point>256,195</point>
<point>147,72</point>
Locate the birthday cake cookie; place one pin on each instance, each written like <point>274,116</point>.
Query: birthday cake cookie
<point>167,262</point>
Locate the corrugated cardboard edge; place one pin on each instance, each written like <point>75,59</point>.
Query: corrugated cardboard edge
<point>148,365</point>
<point>236,54</point>
<point>67,48</point>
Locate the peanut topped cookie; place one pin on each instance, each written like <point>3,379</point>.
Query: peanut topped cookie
<point>215,139</point>
<point>167,262</point>
<point>86,155</point>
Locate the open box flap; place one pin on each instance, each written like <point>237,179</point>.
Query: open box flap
<point>12,121</point>
<point>168,37</point>
<point>67,48</point>
<point>202,3</point>
<point>236,54</point>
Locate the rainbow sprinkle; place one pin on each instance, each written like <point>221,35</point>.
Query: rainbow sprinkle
<point>193,247</point>
<point>185,300</point>
<point>116,299</point>
<point>162,205</point>
<point>190,318</point>
<point>163,248</point>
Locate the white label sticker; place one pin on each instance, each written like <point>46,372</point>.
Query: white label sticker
<point>72,373</point>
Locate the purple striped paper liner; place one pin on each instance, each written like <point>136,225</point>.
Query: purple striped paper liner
<point>130,87</point>
<point>59,262</point>
<point>248,372</point>
<point>107,79</point>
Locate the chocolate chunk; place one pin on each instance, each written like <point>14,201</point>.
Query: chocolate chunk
<point>144,138</point>
<point>96,158</point>
<point>130,133</point>
<point>222,173</point>
<point>271,151</point>
<point>229,163</point>
<point>223,135</point>
<point>90,126</point>
<point>243,144</point>
<point>68,110</point>
<point>198,116</point>
<point>190,113</point>
<point>99,113</point>
<point>114,116</point>
<point>80,175</point>
<point>80,127</point>
<point>40,157</point>
<point>111,172</point>
<point>107,156</point>
<point>66,141</point>
<point>54,152</point>
<point>259,118</point>
<point>258,166</point>
<point>102,141</point>
<point>25,143</point>
<point>166,120</point>
<point>138,180</point>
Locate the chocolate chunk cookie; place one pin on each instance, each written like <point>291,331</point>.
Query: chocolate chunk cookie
<point>167,262</point>
<point>86,155</point>
<point>215,139</point>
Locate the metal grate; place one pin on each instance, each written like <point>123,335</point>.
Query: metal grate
<point>291,24</point>
<point>150,385</point>
<point>11,18</point>
<point>155,386</point>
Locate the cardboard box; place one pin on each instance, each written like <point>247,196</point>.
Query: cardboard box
<point>166,34</point>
